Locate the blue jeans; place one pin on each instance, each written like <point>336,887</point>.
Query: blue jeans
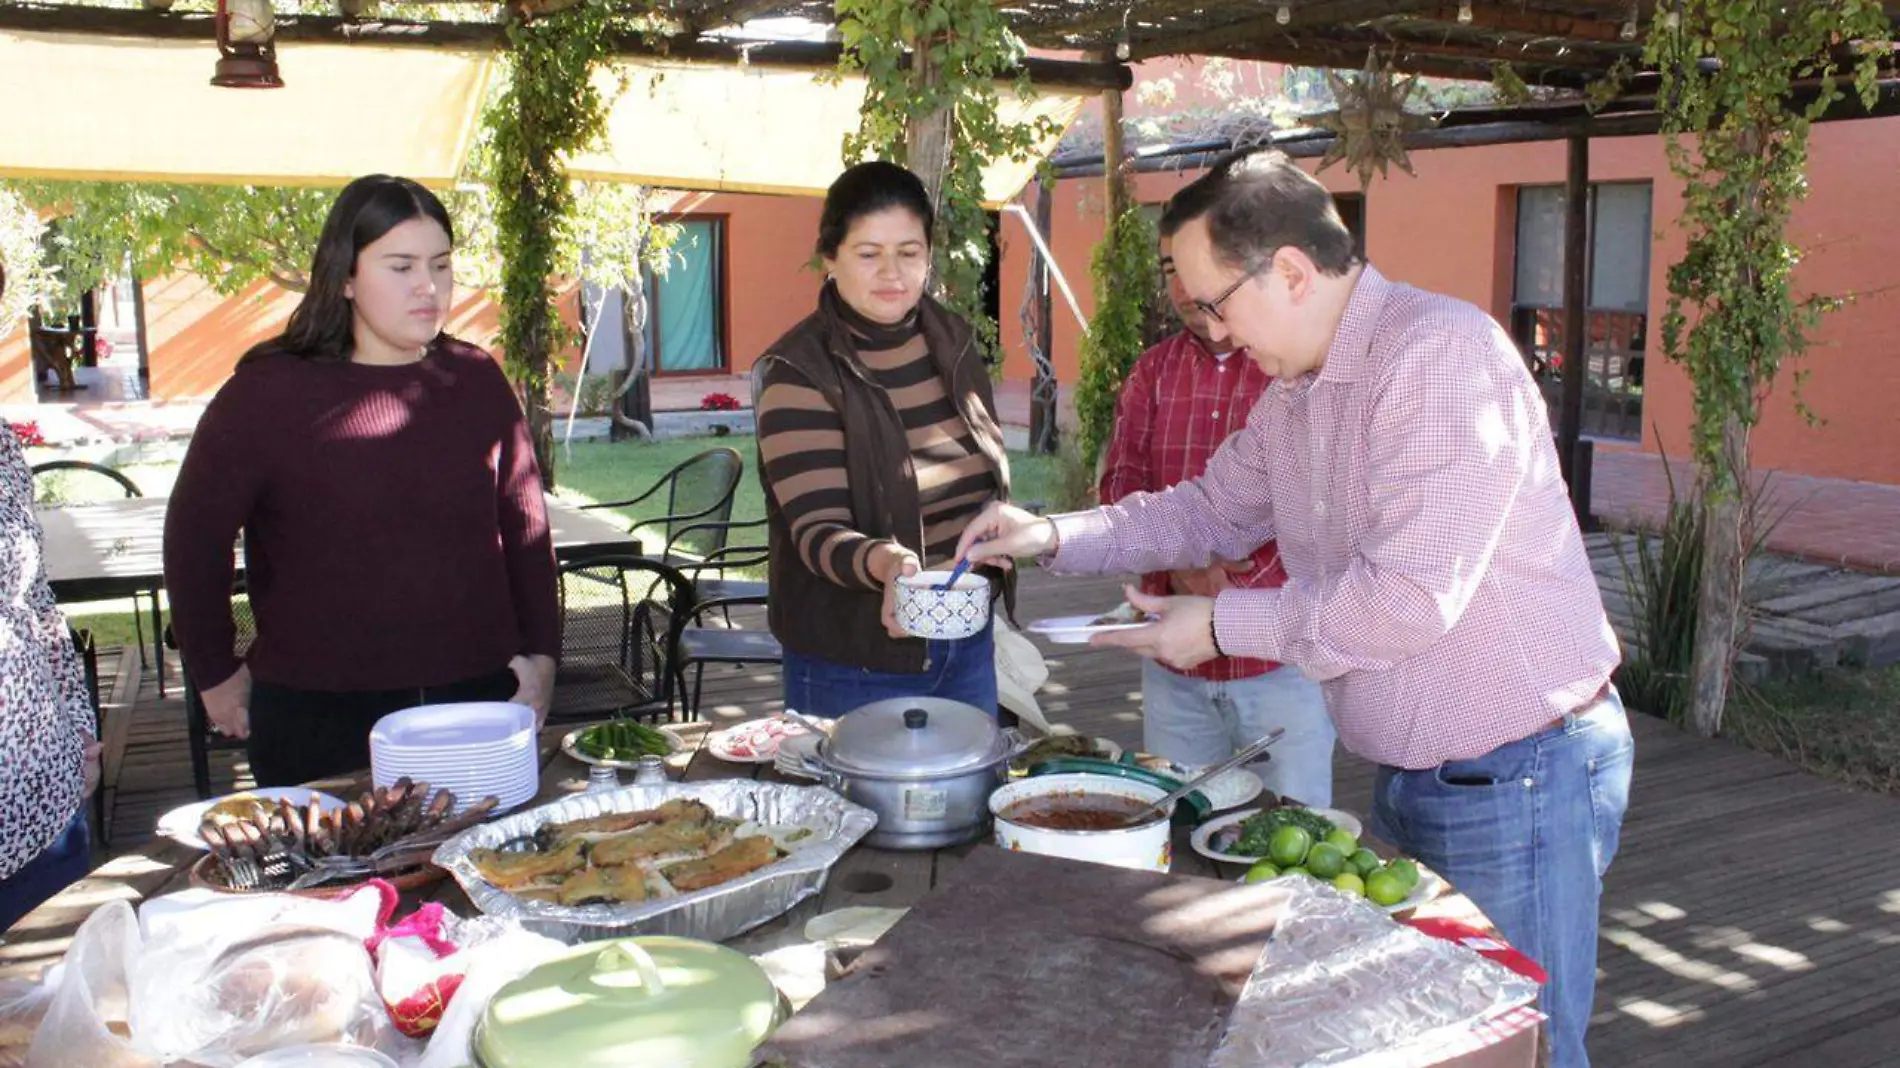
<point>1197,722</point>
<point>963,669</point>
<point>58,866</point>
<point>1526,831</point>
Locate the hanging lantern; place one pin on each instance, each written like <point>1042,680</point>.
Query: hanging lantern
<point>246,57</point>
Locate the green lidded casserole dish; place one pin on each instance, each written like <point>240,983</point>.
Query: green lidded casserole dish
<point>655,1000</point>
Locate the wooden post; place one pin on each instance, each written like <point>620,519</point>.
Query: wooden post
<point>1576,309</point>
<point>927,139</point>
<point>1113,152</point>
<point>1043,406</point>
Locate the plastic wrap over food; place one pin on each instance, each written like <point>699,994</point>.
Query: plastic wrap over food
<point>810,823</point>
<point>1340,980</point>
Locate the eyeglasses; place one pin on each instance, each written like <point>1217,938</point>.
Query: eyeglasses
<point>1211,308</point>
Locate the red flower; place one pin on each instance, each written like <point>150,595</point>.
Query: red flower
<point>28,434</point>
<point>719,402</point>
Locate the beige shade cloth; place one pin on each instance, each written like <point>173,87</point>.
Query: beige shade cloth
<point>105,108</point>
<point>746,129</point>
<point>108,108</point>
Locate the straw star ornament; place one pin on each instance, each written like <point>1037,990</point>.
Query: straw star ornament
<point>1370,122</point>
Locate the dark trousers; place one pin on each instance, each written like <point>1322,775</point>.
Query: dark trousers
<point>66,861</point>
<point>301,735</point>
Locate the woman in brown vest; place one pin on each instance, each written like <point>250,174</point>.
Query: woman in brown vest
<point>878,441</point>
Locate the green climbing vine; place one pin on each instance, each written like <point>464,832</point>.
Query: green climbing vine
<point>1741,85</point>
<point>1126,267</point>
<point>549,107</point>
<point>968,46</point>
<point>1739,139</point>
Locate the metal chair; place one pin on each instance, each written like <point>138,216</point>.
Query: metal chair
<point>198,733</point>
<point>702,644</point>
<point>698,492</point>
<point>88,651</point>
<point>720,557</point>
<point>52,482</point>
<point>621,618</point>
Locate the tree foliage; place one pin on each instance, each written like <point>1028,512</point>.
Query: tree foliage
<point>969,45</point>
<point>550,106</point>
<point>1740,143</point>
<point>1126,268</point>
<point>230,235</point>
<point>30,282</point>
<point>1742,83</point>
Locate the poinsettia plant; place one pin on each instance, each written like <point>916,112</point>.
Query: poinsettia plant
<point>28,434</point>
<point>719,402</point>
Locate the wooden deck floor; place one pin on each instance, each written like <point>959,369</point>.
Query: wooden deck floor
<point>1751,917</point>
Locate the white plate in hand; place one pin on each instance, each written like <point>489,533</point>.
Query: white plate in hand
<point>181,824</point>
<point>1077,630</point>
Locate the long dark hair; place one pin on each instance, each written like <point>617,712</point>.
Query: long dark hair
<point>867,189</point>
<point>368,208</point>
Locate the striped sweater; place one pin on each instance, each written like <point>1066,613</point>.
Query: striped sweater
<point>802,448</point>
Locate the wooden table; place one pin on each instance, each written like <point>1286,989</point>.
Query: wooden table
<point>864,877</point>
<point>113,549</point>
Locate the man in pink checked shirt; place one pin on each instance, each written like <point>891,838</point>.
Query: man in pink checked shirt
<point>1181,400</point>
<point>1437,583</point>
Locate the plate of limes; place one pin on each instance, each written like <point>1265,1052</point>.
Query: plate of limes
<point>1398,885</point>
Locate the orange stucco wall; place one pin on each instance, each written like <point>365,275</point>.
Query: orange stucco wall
<point>768,288</point>
<point>1451,229</point>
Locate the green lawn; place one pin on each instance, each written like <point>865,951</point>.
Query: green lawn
<point>587,473</point>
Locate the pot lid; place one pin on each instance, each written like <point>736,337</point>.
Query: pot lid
<point>913,736</point>
<point>654,1000</point>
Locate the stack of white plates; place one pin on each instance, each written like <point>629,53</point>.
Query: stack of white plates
<point>475,749</point>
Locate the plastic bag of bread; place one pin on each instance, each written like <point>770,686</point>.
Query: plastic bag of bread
<point>212,992</point>
<point>280,987</point>
<point>88,997</point>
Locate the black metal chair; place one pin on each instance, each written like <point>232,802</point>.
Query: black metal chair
<point>698,492</point>
<point>198,733</point>
<point>621,618</point>
<point>702,643</point>
<point>52,486</point>
<point>88,651</point>
<point>720,557</point>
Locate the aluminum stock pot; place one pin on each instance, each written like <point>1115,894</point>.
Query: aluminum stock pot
<point>925,765</point>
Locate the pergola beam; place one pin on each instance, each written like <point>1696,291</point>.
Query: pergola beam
<point>1252,34</point>
<point>1533,23</point>
<point>492,36</point>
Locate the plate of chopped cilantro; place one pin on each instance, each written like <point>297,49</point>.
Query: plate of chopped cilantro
<point>1241,837</point>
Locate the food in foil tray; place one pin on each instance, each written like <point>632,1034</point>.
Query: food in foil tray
<point>676,848</point>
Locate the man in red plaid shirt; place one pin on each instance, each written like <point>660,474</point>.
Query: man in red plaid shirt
<point>1180,401</point>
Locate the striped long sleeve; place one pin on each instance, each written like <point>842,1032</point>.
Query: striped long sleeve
<point>801,445</point>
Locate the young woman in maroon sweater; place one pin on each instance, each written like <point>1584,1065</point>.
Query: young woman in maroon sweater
<point>395,535</point>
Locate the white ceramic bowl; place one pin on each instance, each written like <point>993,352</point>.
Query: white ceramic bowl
<point>927,612</point>
<point>1148,847</point>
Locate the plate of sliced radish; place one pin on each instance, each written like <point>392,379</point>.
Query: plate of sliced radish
<point>754,741</point>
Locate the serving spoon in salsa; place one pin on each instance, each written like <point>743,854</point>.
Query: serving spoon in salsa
<point>1165,804</point>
